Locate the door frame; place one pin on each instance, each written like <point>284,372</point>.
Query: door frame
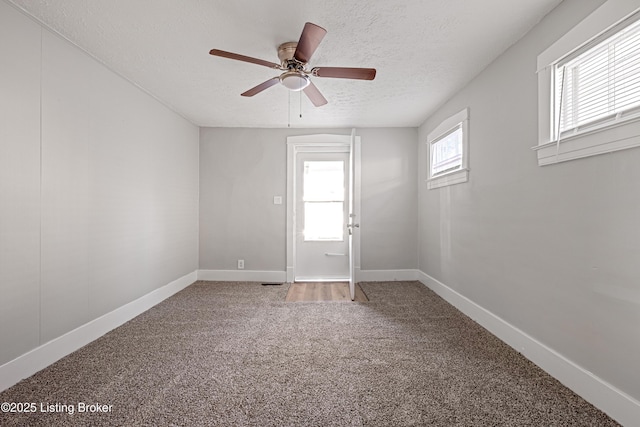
<point>318,143</point>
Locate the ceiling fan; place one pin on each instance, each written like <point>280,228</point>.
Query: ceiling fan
<point>293,60</point>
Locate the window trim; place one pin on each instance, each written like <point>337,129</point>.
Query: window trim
<point>457,176</point>
<point>613,136</point>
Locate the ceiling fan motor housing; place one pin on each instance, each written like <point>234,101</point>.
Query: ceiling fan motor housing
<point>294,78</point>
<point>286,51</point>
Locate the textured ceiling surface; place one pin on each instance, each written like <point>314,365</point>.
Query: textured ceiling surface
<point>423,50</point>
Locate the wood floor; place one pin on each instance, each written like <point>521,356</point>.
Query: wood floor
<point>323,291</point>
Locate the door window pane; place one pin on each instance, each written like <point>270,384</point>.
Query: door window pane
<point>323,181</point>
<point>323,195</point>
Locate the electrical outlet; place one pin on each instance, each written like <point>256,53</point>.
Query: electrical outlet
<point>240,264</point>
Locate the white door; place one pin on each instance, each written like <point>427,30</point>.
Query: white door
<point>352,223</point>
<point>321,216</point>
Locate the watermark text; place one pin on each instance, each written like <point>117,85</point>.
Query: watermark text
<point>57,407</point>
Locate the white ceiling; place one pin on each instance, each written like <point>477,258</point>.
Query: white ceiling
<point>423,50</point>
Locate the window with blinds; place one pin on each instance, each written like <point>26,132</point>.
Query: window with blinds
<point>599,84</point>
<point>446,152</point>
<point>448,161</point>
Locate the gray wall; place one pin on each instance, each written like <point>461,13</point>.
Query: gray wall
<point>98,189</point>
<point>242,169</point>
<point>388,239</point>
<point>552,250</point>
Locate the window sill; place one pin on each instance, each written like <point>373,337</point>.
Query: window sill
<point>591,143</point>
<point>457,177</point>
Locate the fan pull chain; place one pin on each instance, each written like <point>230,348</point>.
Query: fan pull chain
<point>300,92</point>
<point>289,112</point>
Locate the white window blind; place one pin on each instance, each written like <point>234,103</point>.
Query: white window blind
<point>446,152</point>
<point>600,83</point>
<point>448,149</point>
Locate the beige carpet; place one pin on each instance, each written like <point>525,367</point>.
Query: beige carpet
<point>236,354</point>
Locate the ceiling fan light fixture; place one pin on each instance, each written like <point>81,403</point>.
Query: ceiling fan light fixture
<point>294,80</point>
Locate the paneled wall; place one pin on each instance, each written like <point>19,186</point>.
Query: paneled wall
<point>99,188</point>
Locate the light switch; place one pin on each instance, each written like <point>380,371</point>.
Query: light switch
<point>277,200</point>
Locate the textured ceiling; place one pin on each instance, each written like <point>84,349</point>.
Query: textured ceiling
<point>424,51</point>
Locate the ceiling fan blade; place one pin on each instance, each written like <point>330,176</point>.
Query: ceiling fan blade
<point>237,57</point>
<point>261,87</point>
<point>345,73</point>
<point>310,39</point>
<point>314,95</point>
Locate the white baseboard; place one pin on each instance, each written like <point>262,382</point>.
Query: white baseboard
<point>617,404</point>
<point>385,275</point>
<point>281,276</point>
<point>48,353</point>
<point>242,276</point>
